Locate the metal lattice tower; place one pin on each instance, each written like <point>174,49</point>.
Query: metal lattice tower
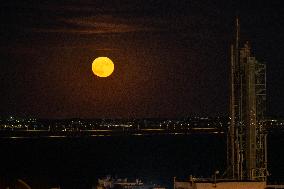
<point>246,138</point>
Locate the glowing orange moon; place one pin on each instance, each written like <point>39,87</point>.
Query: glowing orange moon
<point>102,67</point>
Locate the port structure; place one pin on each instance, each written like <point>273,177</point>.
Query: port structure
<point>246,146</point>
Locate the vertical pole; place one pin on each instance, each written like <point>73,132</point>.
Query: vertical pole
<point>265,155</point>
<point>239,119</point>
<point>232,108</point>
<point>237,40</point>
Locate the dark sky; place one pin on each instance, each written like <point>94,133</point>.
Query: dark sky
<point>171,57</point>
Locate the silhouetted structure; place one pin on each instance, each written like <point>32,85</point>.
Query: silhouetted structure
<point>246,140</point>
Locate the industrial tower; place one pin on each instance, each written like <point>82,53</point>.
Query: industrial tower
<point>247,159</point>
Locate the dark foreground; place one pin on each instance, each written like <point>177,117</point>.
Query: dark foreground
<point>77,162</point>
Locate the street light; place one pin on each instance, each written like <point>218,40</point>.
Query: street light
<point>215,177</point>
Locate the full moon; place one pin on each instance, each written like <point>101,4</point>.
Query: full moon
<point>102,66</point>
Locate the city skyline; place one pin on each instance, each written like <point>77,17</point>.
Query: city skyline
<point>171,58</point>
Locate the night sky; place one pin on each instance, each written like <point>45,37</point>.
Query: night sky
<point>171,57</point>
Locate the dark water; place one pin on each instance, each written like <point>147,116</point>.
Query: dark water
<point>78,162</point>
<point>275,150</point>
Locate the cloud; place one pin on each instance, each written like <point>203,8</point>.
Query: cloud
<point>97,25</point>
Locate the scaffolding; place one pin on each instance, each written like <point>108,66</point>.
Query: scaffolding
<point>247,158</point>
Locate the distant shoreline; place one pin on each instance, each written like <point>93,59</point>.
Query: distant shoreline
<point>98,133</point>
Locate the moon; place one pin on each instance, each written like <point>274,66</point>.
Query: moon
<point>102,67</point>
